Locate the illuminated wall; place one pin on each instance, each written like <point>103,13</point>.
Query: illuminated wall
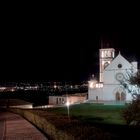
<point>113,72</point>
<point>105,58</point>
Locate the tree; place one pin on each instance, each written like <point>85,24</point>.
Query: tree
<point>132,112</point>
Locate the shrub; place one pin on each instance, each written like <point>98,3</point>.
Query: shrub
<point>132,113</point>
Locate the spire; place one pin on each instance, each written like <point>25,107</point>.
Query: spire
<point>119,52</point>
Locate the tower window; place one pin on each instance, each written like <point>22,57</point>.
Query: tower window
<point>106,64</point>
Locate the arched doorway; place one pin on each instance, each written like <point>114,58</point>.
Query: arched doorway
<point>120,94</point>
<point>123,96</point>
<point>118,97</point>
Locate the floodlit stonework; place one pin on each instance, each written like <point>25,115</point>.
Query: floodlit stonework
<point>113,72</point>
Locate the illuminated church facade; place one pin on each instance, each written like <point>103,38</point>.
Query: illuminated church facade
<point>113,72</point>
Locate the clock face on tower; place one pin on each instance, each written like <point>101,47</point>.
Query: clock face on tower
<point>119,76</point>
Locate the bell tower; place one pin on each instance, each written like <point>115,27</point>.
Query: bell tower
<point>106,55</point>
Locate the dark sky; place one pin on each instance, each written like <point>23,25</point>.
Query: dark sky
<point>63,47</point>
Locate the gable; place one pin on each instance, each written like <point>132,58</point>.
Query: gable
<point>119,63</point>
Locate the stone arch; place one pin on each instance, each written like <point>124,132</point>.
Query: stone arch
<point>123,96</point>
<point>120,94</point>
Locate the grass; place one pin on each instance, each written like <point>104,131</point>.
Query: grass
<point>92,113</point>
<point>89,121</point>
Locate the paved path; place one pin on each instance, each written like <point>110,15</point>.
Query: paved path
<point>14,127</point>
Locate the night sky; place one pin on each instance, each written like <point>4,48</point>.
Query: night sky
<point>63,47</point>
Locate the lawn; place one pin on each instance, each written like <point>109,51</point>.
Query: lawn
<point>91,113</point>
<point>87,122</point>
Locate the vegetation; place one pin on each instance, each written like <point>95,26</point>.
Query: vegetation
<point>132,113</point>
<point>93,113</point>
<point>35,97</point>
<point>58,126</point>
<point>85,121</point>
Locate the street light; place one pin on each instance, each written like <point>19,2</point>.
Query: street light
<point>68,111</point>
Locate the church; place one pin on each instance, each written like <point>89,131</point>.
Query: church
<point>113,71</point>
